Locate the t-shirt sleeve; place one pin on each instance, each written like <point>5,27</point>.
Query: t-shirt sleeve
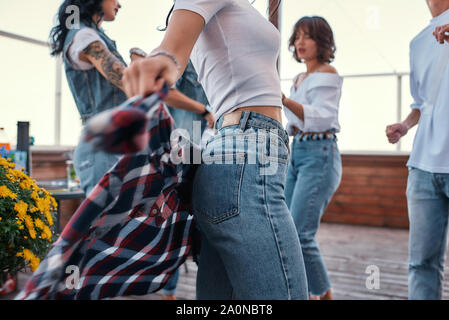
<point>205,8</point>
<point>81,41</point>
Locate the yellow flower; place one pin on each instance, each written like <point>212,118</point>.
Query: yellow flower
<point>6,163</point>
<point>43,204</point>
<point>26,184</point>
<point>21,209</point>
<point>48,217</point>
<point>38,223</point>
<point>35,195</point>
<point>46,234</point>
<point>29,256</point>
<point>30,225</point>
<point>34,264</point>
<point>5,192</point>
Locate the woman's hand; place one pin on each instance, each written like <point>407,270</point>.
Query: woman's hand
<point>210,120</point>
<point>146,76</point>
<point>440,33</point>
<point>283,98</point>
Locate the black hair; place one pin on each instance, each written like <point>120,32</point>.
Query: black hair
<point>87,8</point>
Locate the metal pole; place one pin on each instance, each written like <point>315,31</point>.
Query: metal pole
<point>23,38</point>
<point>58,89</point>
<point>274,15</point>
<point>399,107</point>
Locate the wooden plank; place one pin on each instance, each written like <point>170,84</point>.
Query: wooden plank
<point>347,251</point>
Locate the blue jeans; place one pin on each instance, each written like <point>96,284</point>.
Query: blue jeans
<point>171,286</point>
<point>250,248</point>
<point>314,174</point>
<point>428,207</point>
<point>90,166</point>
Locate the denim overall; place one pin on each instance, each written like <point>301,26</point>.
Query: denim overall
<point>92,93</point>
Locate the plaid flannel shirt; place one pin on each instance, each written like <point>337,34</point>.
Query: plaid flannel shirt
<point>131,233</point>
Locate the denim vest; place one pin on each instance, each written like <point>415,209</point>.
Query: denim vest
<point>92,92</point>
<point>188,84</point>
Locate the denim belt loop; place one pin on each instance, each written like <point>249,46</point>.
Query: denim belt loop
<point>244,119</point>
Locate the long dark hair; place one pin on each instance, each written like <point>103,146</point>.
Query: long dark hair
<point>87,8</point>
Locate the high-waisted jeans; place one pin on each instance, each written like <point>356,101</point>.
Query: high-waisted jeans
<point>313,176</point>
<point>250,247</point>
<point>428,210</point>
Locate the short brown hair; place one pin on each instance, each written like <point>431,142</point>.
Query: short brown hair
<point>321,32</point>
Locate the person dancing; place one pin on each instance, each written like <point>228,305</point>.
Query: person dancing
<point>250,248</point>
<point>428,179</point>
<point>315,169</point>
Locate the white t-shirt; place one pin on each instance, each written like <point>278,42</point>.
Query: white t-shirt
<point>319,93</point>
<point>235,55</point>
<point>81,41</point>
<point>431,145</point>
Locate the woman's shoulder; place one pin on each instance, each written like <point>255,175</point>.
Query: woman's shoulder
<point>327,68</point>
<point>325,77</point>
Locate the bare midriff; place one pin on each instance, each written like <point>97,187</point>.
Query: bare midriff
<point>270,111</point>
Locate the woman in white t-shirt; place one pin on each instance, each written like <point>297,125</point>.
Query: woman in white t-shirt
<point>250,248</point>
<point>314,171</point>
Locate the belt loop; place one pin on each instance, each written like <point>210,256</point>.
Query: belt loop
<point>244,119</point>
<point>217,124</point>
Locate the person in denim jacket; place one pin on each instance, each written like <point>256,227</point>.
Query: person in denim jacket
<point>314,172</point>
<point>94,70</point>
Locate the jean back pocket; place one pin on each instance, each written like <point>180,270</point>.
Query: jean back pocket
<point>217,189</point>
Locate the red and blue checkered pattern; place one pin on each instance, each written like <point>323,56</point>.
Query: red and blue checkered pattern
<point>123,129</point>
<point>133,231</point>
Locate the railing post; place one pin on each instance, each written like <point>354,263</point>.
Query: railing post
<point>58,88</point>
<point>399,106</point>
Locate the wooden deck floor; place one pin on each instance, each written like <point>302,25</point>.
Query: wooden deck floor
<point>348,251</point>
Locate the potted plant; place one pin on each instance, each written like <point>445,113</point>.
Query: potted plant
<point>26,220</point>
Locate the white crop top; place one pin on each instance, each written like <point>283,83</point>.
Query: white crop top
<point>319,94</point>
<point>235,55</point>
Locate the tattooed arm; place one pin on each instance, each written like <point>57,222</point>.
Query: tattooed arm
<point>105,62</point>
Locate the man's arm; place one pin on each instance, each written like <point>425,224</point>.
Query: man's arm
<point>105,62</point>
<point>396,131</point>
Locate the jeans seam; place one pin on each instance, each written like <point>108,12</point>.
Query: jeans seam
<point>267,212</point>
<point>313,201</point>
<point>442,244</point>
